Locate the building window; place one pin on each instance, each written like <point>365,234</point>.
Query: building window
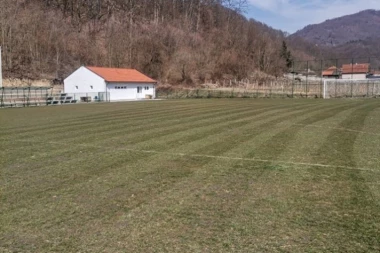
<point>146,87</point>
<point>91,87</point>
<point>76,87</point>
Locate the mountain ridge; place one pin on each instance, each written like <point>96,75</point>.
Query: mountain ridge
<point>339,31</point>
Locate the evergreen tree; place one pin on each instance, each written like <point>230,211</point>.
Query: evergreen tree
<point>286,55</point>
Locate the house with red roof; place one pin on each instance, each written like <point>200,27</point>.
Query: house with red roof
<point>111,84</point>
<point>356,71</point>
<point>331,73</point>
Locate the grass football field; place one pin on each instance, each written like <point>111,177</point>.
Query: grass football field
<point>227,175</point>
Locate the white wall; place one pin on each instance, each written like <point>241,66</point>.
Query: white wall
<point>81,81</point>
<point>354,76</point>
<point>131,90</point>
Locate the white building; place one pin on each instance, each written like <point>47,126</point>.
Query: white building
<point>111,84</point>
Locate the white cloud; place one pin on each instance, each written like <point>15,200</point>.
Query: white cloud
<point>299,13</point>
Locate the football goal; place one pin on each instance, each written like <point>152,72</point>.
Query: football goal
<point>342,88</point>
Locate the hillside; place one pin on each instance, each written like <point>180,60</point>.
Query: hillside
<point>176,42</point>
<point>361,26</point>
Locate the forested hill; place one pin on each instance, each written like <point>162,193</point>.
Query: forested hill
<point>335,32</point>
<point>176,41</point>
<point>355,35</point>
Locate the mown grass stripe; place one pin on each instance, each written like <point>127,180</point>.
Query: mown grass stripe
<point>101,124</point>
<point>75,161</point>
<point>276,145</point>
<point>76,148</point>
<point>116,111</point>
<point>344,129</point>
<point>111,116</point>
<point>231,121</point>
<point>237,138</point>
<point>114,129</point>
<point>78,161</point>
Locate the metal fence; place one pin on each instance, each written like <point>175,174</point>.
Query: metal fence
<point>42,96</point>
<point>325,89</point>
<point>304,79</point>
<point>285,89</point>
<point>342,68</point>
<point>340,88</point>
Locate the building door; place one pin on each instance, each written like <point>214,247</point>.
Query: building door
<point>139,92</point>
<point>119,92</point>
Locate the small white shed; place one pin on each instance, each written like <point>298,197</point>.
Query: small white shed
<point>112,84</point>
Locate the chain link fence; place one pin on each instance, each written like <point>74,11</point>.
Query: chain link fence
<point>286,89</point>
<point>43,96</point>
<point>346,77</point>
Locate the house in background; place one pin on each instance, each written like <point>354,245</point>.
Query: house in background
<point>331,73</point>
<point>355,71</point>
<point>113,83</point>
<point>375,74</point>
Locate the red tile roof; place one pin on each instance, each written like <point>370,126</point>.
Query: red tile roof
<point>355,69</point>
<point>332,71</point>
<point>121,75</point>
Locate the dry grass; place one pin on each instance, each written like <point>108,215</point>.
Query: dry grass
<point>83,178</point>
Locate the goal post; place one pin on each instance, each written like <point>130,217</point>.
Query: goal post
<point>346,88</point>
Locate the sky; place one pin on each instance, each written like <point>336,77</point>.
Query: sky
<point>293,15</point>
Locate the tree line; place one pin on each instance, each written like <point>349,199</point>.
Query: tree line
<point>174,41</point>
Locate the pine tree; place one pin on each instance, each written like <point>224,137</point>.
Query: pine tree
<point>286,55</point>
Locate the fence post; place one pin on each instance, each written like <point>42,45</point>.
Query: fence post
<point>369,62</point>
<point>320,87</point>
<point>257,90</point>
<point>367,88</point>
<point>29,96</point>
<point>352,87</point>
<point>373,88</point>
<point>336,81</point>
<point>23,96</point>
<point>307,76</point>
<point>2,97</point>
<point>293,80</point>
